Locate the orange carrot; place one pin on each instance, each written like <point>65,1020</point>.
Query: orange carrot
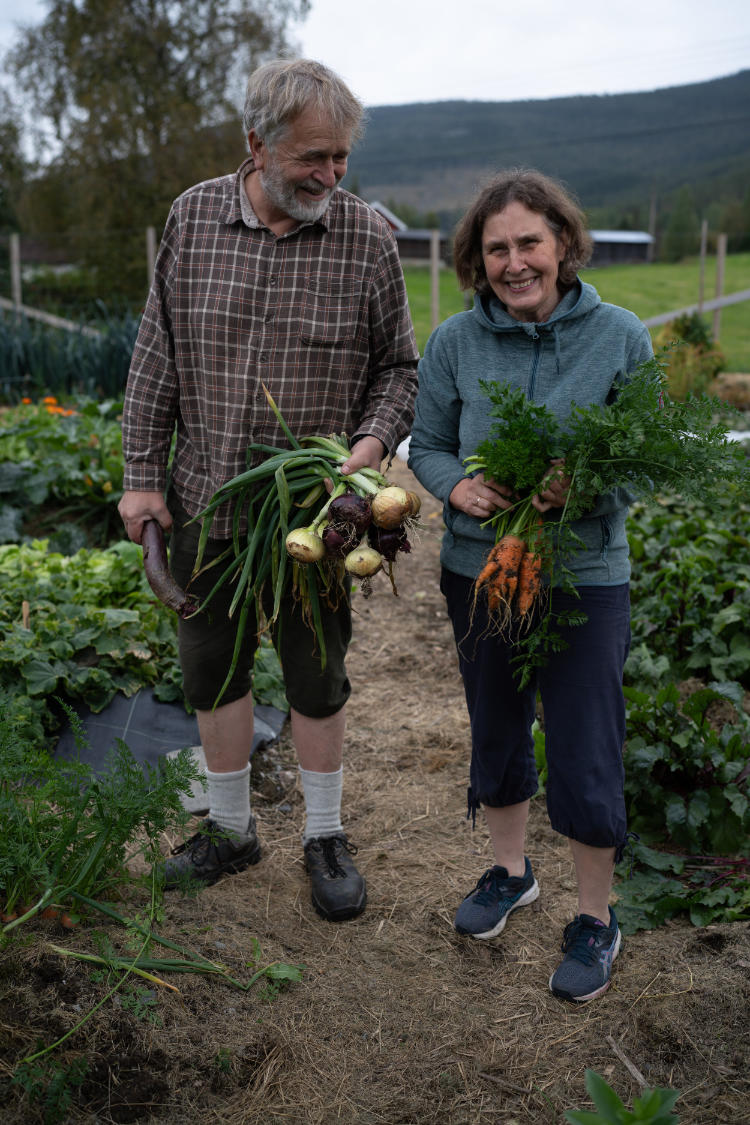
<point>529,582</point>
<point>488,569</point>
<point>57,914</point>
<point>508,552</point>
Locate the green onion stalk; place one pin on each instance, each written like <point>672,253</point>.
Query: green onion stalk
<point>276,546</point>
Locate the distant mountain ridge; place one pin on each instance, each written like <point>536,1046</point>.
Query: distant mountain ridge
<point>613,150</point>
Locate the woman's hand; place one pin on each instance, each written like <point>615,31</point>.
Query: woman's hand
<point>479,497</point>
<point>555,493</point>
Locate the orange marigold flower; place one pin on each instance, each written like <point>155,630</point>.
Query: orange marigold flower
<point>50,399</point>
<point>26,401</point>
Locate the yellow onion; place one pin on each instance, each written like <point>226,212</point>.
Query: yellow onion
<point>390,507</point>
<point>305,546</point>
<point>363,562</point>
<point>414,503</point>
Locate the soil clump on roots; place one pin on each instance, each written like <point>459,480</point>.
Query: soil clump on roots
<point>398,1020</point>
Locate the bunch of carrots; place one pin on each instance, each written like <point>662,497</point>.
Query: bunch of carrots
<point>511,578</point>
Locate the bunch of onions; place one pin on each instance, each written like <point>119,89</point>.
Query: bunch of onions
<point>272,502</point>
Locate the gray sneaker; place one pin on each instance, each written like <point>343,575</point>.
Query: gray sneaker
<point>590,947</point>
<point>484,911</point>
<point>209,854</point>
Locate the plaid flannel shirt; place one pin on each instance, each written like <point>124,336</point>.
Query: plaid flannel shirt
<point>319,315</point>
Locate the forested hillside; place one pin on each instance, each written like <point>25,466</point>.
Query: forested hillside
<point>613,150</point>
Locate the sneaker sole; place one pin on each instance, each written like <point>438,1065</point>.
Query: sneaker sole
<point>526,898</point>
<point>563,995</point>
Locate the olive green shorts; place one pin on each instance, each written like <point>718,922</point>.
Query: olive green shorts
<point>207,640</point>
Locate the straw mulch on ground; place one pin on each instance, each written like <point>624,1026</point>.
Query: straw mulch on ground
<point>398,1020</point>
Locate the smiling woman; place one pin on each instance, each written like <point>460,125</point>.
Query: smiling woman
<point>522,257</point>
<point>539,333</point>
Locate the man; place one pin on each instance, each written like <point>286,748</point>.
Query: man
<point>270,276</point>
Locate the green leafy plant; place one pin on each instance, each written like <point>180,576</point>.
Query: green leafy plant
<point>686,786</point>
<point>61,473</point>
<point>82,627</point>
<point>684,779</point>
<point>653,1107</point>
<point>51,1085</point>
<point>70,831</point>
<point>701,888</point>
<point>696,360</point>
<point>690,588</point>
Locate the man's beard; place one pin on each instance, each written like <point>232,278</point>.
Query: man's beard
<point>281,193</point>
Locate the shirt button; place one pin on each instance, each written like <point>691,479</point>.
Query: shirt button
<point>263,356</point>
<point>272,280</point>
<point>268,317</point>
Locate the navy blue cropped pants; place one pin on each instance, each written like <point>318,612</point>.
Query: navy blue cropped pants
<point>584,713</point>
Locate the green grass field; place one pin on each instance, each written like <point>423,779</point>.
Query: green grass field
<point>646,289</point>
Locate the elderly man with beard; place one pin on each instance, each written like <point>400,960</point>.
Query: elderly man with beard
<point>272,276</point>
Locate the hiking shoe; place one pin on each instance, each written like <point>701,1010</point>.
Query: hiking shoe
<point>590,947</point>
<point>338,889</point>
<point>484,911</point>
<point>209,854</point>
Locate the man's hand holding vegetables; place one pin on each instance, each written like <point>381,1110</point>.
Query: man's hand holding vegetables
<point>272,281</point>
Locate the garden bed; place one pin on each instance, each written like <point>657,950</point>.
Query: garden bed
<point>397,1019</point>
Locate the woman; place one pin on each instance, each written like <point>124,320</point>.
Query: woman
<point>536,326</point>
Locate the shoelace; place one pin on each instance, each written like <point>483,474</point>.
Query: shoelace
<point>579,941</point>
<point>200,843</point>
<point>492,887</point>
<point>329,846</point>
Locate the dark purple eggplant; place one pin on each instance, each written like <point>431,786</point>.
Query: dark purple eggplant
<point>156,566</point>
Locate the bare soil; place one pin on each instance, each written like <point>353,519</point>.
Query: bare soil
<point>397,1019</point>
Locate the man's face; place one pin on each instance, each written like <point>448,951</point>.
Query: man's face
<point>302,169</point>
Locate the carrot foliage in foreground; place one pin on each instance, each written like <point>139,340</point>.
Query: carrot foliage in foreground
<point>69,832</point>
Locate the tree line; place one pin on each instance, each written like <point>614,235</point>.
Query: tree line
<point>128,102</point>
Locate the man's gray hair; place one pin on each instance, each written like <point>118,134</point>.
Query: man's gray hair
<point>279,91</point>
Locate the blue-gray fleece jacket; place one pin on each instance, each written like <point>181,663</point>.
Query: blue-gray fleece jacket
<point>578,355</point>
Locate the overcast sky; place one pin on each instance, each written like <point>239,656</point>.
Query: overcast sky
<point>397,51</point>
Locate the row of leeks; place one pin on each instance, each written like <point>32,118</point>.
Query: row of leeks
<point>277,549</point>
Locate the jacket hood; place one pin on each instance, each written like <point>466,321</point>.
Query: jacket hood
<point>577,302</point>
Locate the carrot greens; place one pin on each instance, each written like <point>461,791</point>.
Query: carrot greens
<point>640,441</point>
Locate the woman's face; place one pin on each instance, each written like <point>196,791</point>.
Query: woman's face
<point>522,259</point>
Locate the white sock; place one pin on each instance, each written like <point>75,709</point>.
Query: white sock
<point>322,802</point>
<point>229,799</point>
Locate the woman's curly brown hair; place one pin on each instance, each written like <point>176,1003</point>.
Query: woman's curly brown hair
<point>540,193</point>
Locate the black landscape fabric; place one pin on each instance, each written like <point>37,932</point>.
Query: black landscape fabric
<point>150,729</point>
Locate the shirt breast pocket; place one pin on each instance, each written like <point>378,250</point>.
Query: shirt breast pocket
<point>330,314</point>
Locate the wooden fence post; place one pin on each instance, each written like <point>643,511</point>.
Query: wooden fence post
<point>721,254</point>
<point>15,269</point>
<point>435,277</point>
<point>651,248</point>
<point>702,275</point>
<point>150,252</point>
